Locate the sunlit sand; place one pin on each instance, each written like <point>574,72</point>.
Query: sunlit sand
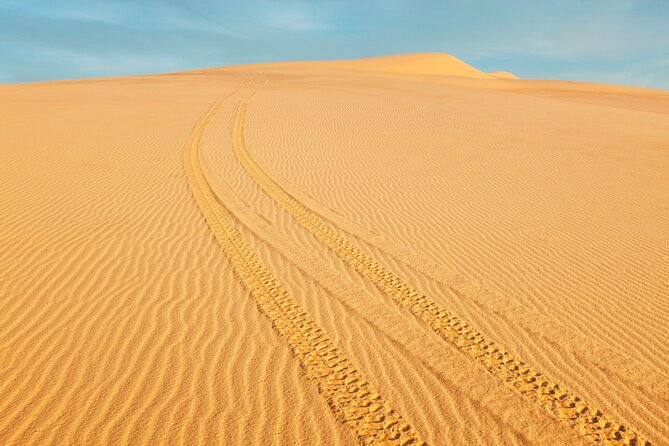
<point>392,250</point>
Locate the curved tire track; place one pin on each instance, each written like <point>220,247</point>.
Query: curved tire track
<point>537,387</point>
<point>352,399</point>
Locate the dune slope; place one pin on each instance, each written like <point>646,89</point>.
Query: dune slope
<point>334,252</point>
<point>418,63</point>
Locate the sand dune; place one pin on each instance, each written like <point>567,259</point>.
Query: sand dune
<point>399,250</point>
<point>419,63</point>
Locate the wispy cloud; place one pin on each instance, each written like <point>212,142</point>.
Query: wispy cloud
<point>295,20</point>
<point>610,41</point>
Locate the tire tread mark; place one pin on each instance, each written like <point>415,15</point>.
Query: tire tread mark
<point>349,395</point>
<point>588,421</point>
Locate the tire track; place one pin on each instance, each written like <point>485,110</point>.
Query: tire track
<point>537,387</point>
<point>468,405</point>
<point>352,399</point>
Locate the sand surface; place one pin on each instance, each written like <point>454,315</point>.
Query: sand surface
<point>387,251</point>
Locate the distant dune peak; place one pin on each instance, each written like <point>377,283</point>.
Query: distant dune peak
<point>414,63</point>
<point>438,64</point>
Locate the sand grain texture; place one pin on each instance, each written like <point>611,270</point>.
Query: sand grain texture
<point>399,249</point>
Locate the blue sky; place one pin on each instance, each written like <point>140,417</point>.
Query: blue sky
<point>617,41</point>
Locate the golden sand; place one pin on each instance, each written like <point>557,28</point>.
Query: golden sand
<point>386,251</point>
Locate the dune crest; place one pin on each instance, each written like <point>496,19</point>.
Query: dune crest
<point>417,63</point>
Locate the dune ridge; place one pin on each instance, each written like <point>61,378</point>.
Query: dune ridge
<point>438,64</point>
